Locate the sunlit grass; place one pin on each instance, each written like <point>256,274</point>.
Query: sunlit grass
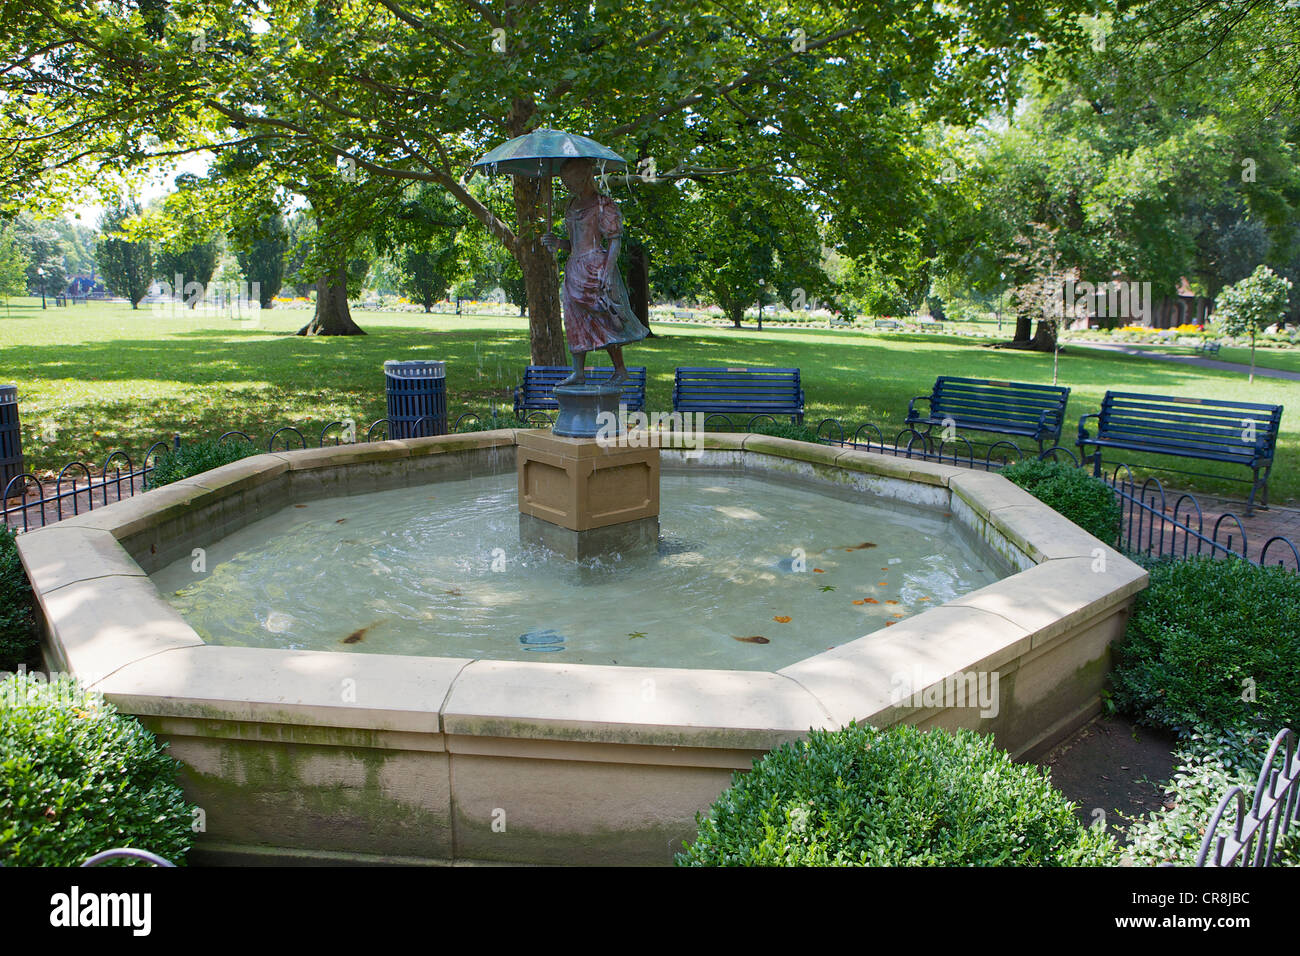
<point>94,378</point>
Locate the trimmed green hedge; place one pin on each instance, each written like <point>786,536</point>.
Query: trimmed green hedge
<point>196,457</point>
<point>77,777</point>
<point>18,636</point>
<point>1087,501</point>
<point>897,797</point>
<point>1212,644</point>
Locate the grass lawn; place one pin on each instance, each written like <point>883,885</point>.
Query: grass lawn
<point>100,377</point>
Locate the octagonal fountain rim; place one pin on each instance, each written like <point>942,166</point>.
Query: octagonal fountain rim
<point>106,622</point>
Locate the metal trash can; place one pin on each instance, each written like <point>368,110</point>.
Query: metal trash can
<point>11,439</point>
<point>417,398</point>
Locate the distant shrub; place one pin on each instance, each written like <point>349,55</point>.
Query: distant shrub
<point>1212,644</point>
<point>77,778</point>
<point>1087,501</point>
<point>898,797</point>
<point>18,636</point>
<point>194,458</point>
<point>493,422</point>
<point>784,430</point>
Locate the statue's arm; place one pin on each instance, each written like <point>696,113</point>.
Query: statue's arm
<point>611,260</point>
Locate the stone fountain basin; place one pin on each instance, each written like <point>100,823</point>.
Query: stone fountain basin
<point>316,756</point>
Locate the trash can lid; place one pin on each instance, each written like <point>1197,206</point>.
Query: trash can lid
<point>415,369</point>
<point>8,393</point>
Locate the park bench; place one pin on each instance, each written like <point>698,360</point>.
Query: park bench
<point>932,325</point>
<point>982,405</point>
<point>1208,348</point>
<point>885,324</point>
<point>1210,429</point>
<point>752,391</point>
<point>684,316</point>
<point>537,393</point>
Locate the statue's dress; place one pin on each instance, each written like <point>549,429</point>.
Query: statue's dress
<point>592,320</point>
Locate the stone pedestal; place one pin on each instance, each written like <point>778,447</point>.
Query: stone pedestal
<point>581,484</point>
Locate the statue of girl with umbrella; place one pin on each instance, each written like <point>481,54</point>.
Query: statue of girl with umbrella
<point>597,313</point>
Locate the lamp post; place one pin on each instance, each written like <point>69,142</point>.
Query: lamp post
<point>40,278</point>
<point>1001,292</point>
<point>761,284</point>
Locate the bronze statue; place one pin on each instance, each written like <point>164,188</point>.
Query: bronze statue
<point>597,313</point>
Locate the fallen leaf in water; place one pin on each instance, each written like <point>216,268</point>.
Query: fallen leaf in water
<point>890,623</point>
<point>891,602</point>
<point>881,584</point>
<point>782,619</point>
<point>860,602</point>
<point>341,520</point>
<point>356,636</point>
<point>300,506</point>
<point>899,614</point>
<point>870,601</point>
<point>755,639</point>
<point>453,592</point>
<point>923,599</point>
<point>635,634</point>
<point>818,571</point>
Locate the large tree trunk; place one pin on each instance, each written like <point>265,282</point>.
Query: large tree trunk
<point>1024,325</point>
<point>638,283</point>
<point>333,317</point>
<point>1044,339</point>
<point>541,277</point>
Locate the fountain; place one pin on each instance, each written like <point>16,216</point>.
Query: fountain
<point>344,752</point>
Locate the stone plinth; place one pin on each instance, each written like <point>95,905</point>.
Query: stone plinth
<point>581,484</point>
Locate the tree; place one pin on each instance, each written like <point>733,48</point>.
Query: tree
<point>13,265</point>
<point>127,267</point>
<point>188,270</point>
<point>416,90</point>
<point>260,247</point>
<point>1252,305</point>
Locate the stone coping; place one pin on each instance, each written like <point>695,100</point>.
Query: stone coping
<point>106,622</point>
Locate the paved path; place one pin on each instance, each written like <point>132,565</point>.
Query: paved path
<point>1195,360</point>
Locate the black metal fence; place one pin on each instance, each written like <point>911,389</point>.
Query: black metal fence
<point>1252,837</point>
<point>1150,524</point>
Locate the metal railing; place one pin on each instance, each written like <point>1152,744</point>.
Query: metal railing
<point>1149,525</point>
<point>1255,830</point>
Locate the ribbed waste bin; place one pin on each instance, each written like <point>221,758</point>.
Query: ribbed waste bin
<point>417,398</point>
<point>11,439</point>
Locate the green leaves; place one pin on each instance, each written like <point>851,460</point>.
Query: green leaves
<point>898,797</point>
<point>77,778</point>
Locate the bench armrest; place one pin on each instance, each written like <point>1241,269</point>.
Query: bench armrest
<point>1083,432</point>
<point>911,405</point>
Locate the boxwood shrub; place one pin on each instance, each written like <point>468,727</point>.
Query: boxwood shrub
<point>77,777</point>
<point>1087,501</point>
<point>898,797</point>
<point>1212,644</point>
<point>196,457</point>
<point>18,637</point>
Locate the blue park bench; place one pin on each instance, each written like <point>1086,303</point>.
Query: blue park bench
<point>537,393</point>
<point>984,405</point>
<point>750,391</point>
<point>1205,428</point>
